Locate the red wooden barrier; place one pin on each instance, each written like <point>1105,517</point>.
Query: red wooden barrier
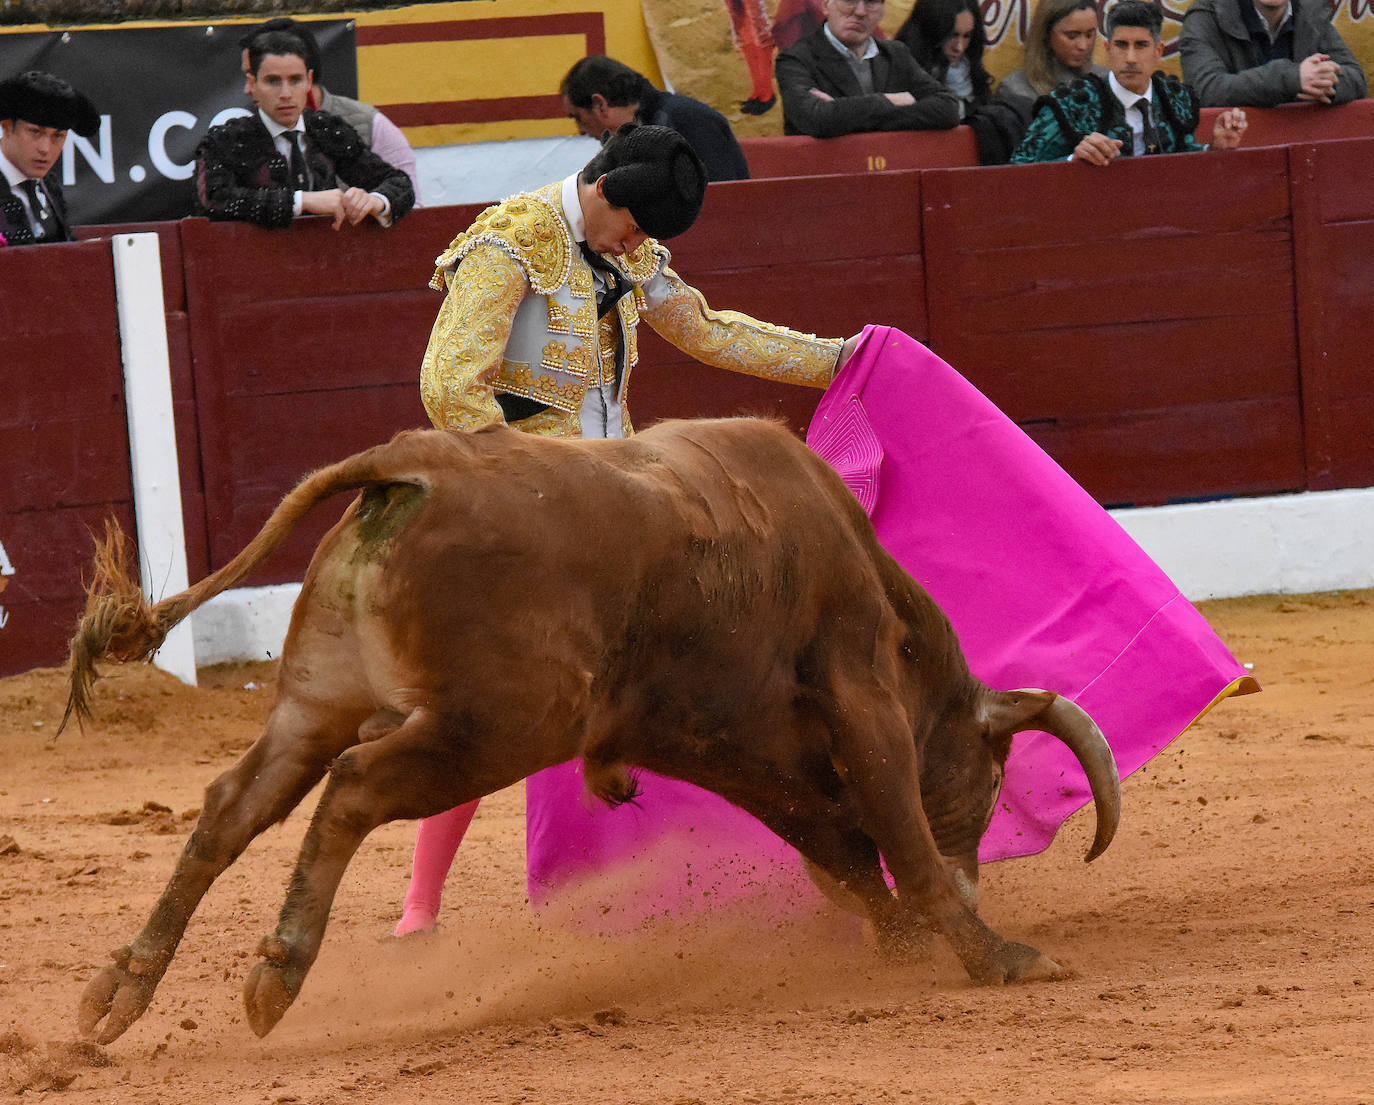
<point>1169,328</point>
<point>1333,216</point>
<point>1279,126</point>
<point>877,151</point>
<point>801,253</point>
<point>64,447</point>
<point>306,347</point>
<point>1138,322</point>
<point>954,149</point>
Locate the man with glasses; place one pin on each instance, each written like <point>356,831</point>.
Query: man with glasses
<point>843,80</point>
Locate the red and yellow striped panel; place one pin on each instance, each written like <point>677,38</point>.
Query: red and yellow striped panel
<point>473,71</point>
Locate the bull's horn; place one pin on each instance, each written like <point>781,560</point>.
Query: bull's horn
<point>1071,724</point>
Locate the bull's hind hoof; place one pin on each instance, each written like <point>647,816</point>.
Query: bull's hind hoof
<point>116,996</point>
<point>268,994</point>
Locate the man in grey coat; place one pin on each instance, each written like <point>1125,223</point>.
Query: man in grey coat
<point>841,79</point>
<point>1261,53</point>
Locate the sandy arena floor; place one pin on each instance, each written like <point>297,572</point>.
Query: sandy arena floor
<point>1221,947</point>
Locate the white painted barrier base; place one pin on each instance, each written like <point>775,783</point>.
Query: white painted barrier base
<point>248,623</point>
<point>1285,544</point>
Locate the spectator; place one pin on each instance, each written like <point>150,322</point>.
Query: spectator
<point>378,133</point>
<point>286,161</point>
<point>1059,50</point>
<point>36,112</point>
<point>599,94</point>
<point>947,37</point>
<point>1137,110</point>
<point>1261,53</point>
<point>842,80</point>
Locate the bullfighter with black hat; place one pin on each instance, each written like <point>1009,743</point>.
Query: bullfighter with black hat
<point>546,292</point>
<point>36,112</point>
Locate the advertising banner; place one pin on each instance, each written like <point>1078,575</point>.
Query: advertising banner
<point>158,90</point>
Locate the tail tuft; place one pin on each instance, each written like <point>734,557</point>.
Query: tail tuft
<point>118,623</point>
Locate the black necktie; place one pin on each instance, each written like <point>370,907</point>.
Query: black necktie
<point>300,177</point>
<point>618,285</point>
<point>1148,131</point>
<point>43,214</point>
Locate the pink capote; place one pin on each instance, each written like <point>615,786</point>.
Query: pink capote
<point>1043,587</point>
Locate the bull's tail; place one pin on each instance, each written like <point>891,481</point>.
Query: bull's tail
<point>119,623</point>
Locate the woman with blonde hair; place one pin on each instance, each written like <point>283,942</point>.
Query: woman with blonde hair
<point>1059,50</point>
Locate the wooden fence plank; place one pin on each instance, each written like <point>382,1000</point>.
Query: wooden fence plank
<point>1148,305</point>
<point>1333,256</point>
<point>64,448</point>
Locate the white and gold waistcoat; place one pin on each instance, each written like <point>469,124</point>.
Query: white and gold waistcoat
<point>520,317</point>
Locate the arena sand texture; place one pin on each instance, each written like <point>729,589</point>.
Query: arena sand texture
<point>1220,949</point>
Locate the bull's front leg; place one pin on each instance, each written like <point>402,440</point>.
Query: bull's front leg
<point>880,766</point>
<point>261,789</point>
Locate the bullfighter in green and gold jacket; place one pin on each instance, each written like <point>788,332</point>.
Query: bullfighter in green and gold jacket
<point>1137,110</point>
<point>1064,116</point>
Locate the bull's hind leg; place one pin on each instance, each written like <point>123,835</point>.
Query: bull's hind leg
<point>421,768</point>
<point>874,750</point>
<point>261,789</point>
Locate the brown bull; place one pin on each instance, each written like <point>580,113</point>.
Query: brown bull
<point>706,600</point>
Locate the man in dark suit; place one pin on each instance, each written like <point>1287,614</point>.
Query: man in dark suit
<point>842,80</point>
<point>600,93</point>
<point>284,161</point>
<point>36,112</point>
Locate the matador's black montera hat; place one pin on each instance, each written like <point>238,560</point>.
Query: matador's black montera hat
<point>654,173</point>
<point>47,101</point>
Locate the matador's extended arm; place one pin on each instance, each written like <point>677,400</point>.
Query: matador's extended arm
<point>732,340</point>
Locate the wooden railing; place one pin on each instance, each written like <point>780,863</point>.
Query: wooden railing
<point>1168,328</point>
<point>882,151</point>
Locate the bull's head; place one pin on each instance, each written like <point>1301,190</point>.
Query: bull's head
<point>963,767</point>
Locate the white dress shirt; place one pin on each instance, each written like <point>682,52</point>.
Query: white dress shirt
<point>1131,101</point>
<point>14,178</point>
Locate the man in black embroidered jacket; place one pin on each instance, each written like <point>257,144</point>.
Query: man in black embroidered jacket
<point>284,161</point>
<point>36,112</point>
<point>1137,110</point>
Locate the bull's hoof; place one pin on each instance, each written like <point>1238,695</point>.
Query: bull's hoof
<point>1041,968</point>
<point>268,994</point>
<point>1020,963</point>
<point>117,996</point>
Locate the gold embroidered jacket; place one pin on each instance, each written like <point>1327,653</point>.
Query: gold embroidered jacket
<point>520,317</point>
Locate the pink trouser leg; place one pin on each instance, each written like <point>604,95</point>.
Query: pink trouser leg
<point>436,843</point>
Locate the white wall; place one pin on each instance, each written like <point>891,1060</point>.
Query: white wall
<point>483,172</point>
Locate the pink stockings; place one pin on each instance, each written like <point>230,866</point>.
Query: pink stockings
<point>436,843</point>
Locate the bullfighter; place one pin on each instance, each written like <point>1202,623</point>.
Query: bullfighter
<point>545,294</point>
<point>283,161</point>
<point>36,112</point>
